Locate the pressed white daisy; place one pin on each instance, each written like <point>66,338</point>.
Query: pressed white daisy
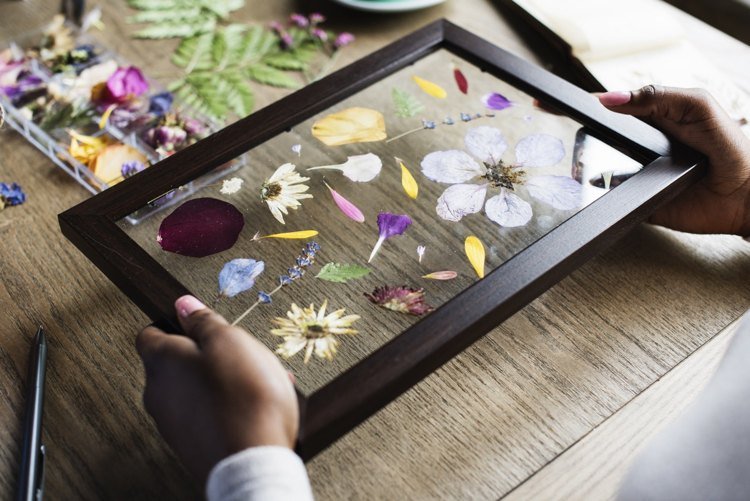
<point>284,190</point>
<point>314,332</point>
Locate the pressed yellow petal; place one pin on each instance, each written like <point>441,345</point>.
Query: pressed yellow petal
<point>107,165</point>
<point>407,181</point>
<point>475,252</point>
<point>292,235</point>
<point>352,125</point>
<point>430,88</point>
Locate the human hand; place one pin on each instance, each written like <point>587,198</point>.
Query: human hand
<point>720,202</point>
<point>216,391</point>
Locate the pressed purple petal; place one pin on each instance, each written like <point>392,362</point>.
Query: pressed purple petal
<point>391,225</point>
<point>496,101</point>
<point>201,227</point>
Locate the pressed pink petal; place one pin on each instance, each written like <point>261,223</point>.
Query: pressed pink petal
<point>349,209</point>
<point>441,275</point>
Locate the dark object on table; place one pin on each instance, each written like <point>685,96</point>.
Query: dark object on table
<point>73,10</point>
<point>31,477</point>
<point>337,407</point>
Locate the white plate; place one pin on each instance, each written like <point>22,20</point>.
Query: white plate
<point>389,6</point>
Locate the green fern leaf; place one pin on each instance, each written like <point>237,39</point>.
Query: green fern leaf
<point>405,104</point>
<point>195,53</point>
<point>176,29</point>
<point>286,61</point>
<point>166,16</point>
<point>239,95</point>
<point>256,43</point>
<point>205,93</point>
<point>159,4</point>
<point>267,75</point>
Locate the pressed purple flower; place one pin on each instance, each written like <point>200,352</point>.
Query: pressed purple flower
<point>11,194</point>
<point>169,137</point>
<point>193,127</point>
<point>320,34</point>
<point>317,18</point>
<point>160,103</point>
<point>343,39</point>
<point>389,225</point>
<point>496,101</point>
<point>132,168</point>
<point>25,82</point>
<point>126,84</point>
<point>401,299</point>
<point>287,42</point>
<point>276,26</point>
<point>264,297</point>
<point>299,20</point>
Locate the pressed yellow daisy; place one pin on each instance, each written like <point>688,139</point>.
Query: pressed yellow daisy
<point>304,328</point>
<point>284,190</point>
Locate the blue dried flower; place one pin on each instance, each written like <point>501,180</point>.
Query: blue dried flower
<point>428,124</point>
<point>159,104</point>
<point>264,297</point>
<point>131,168</point>
<point>238,275</point>
<point>12,194</point>
<point>285,280</point>
<point>448,121</point>
<point>465,117</point>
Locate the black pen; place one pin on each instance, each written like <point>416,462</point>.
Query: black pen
<point>31,479</point>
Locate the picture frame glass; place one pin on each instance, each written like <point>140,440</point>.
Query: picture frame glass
<point>446,157</point>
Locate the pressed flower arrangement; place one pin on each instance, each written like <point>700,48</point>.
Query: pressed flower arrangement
<point>382,223</point>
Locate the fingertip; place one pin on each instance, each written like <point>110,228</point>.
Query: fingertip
<point>615,98</point>
<point>187,305</point>
<point>147,340</point>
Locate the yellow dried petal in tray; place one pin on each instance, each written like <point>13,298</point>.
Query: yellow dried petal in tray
<point>352,125</point>
<point>108,164</point>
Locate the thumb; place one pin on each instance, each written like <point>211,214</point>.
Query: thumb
<point>691,116</point>
<point>198,321</point>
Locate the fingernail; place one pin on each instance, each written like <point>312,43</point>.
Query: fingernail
<point>615,98</point>
<point>187,305</point>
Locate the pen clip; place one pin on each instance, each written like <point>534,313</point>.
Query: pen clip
<point>39,487</point>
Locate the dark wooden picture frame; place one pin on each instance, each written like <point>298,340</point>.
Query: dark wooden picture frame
<point>353,396</point>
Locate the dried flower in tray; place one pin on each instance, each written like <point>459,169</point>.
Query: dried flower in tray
<point>312,330</point>
<point>11,194</point>
<point>402,299</point>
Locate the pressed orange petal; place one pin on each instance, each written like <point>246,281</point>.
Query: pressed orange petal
<point>352,125</point>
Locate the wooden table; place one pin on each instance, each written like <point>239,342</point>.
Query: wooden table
<point>552,404</point>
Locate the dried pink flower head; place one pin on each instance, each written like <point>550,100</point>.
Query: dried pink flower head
<point>317,18</point>
<point>287,41</point>
<point>299,20</point>
<point>402,299</point>
<point>343,40</point>
<point>320,34</point>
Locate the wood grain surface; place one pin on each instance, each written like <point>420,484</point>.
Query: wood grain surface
<point>478,427</point>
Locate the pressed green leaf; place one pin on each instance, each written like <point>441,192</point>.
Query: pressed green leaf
<point>226,44</point>
<point>405,104</point>
<point>162,16</point>
<point>159,4</point>
<point>286,61</point>
<point>267,75</point>
<point>341,273</point>
<point>205,93</point>
<point>194,53</point>
<point>239,94</point>
<point>176,29</point>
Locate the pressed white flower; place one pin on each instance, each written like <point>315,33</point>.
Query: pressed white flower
<point>230,186</point>
<point>314,332</point>
<point>487,144</point>
<point>420,252</point>
<point>284,190</point>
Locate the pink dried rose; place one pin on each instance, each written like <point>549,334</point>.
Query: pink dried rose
<point>125,84</point>
<point>402,299</point>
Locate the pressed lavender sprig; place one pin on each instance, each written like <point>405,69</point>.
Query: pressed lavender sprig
<point>304,261</point>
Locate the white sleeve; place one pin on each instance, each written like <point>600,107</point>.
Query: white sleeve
<point>268,473</point>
